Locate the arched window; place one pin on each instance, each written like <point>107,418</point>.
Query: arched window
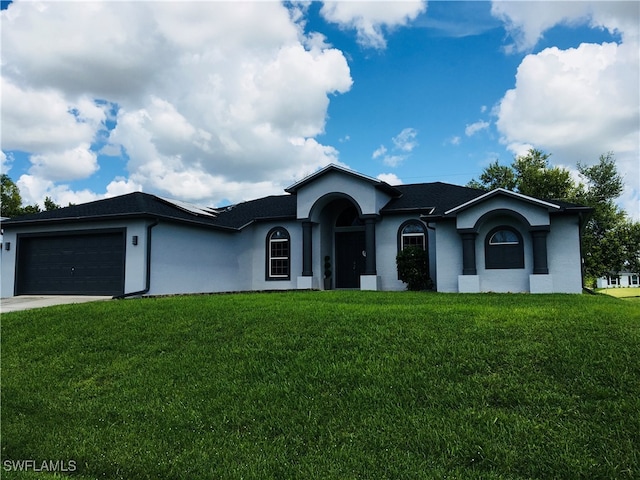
<point>278,254</point>
<point>504,248</point>
<point>412,234</point>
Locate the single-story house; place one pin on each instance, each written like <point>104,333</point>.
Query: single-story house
<point>619,280</point>
<point>334,221</point>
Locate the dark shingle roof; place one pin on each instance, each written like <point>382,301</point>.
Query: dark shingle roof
<point>427,196</point>
<point>432,199</point>
<point>140,205</point>
<point>267,208</point>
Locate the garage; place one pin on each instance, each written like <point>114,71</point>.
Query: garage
<point>82,263</point>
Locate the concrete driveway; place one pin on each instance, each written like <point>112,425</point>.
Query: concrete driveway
<point>27,302</point>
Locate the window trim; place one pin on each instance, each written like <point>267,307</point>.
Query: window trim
<point>402,235</point>
<point>269,276</point>
<point>503,255</point>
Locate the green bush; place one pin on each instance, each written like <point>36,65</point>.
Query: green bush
<point>413,268</point>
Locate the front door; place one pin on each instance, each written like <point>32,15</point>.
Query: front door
<point>350,259</point>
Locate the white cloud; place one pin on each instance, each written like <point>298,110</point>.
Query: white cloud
<point>393,160</point>
<point>43,120</point>
<point>390,178</point>
<point>215,100</point>
<point>405,141</point>
<point>403,145</point>
<point>476,127</point>
<point>379,152</point>
<point>526,22</point>
<point>581,102</point>
<point>371,18</point>
<point>455,140</point>
<point>5,162</point>
<point>74,164</point>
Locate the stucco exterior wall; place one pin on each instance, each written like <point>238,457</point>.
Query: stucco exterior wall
<point>256,255</point>
<point>535,214</point>
<point>387,249</point>
<point>563,247</point>
<point>369,199</point>
<point>504,280</point>
<point>448,257</point>
<point>194,260</point>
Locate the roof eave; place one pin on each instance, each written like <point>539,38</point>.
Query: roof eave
<point>502,191</point>
<point>120,216</point>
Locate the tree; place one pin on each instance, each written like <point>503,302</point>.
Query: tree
<point>10,197</point>
<point>11,205</point>
<point>529,174</point>
<point>611,242</point>
<point>49,204</point>
<point>495,176</point>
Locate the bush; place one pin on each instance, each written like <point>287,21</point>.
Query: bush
<point>413,268</point>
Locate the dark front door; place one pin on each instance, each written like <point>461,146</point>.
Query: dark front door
<point>80,264</point>
<point>350,261</point>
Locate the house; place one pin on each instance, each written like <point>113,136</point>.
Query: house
<point>335,219</point>
<point>619,280</point>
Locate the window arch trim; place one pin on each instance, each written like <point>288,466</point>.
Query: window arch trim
<point>412,238</point>
<point>278,254</point>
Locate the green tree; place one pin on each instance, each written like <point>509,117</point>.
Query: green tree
<point>611,242</point>
<point>11,205</point>
<point>10,197</point>
<point>49,204</point>
<point>529,174</point>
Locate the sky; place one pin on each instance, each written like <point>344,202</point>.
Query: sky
<point>215,102</point>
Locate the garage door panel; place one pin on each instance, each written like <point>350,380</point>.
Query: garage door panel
<point>89,264</point>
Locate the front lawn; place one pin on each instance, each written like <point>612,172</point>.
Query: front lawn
<point>623,292</point>
<point>320,385</point>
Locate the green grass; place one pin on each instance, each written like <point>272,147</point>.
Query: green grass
<point>317,385</point>
<point>624,292</point>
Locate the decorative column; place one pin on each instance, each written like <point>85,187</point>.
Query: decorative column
<point>539,241</point>
<point>468,252</point>
<point>307,258</point>
<point>370,246</point>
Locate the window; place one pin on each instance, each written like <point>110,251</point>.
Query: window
<point>278,254</point>
<point>613,280</point>
<point>504,248</point>
<point>412,234</point>
<point>634,279</point>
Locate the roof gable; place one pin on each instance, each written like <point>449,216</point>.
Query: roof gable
<point>384,186</point>
<point>502,192</point>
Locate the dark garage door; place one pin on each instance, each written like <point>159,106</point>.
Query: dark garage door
<point>78,264</point>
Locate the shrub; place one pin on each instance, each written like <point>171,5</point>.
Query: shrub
<point>413,268</point>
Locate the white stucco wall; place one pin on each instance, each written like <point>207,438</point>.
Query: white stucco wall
<point>504,280</point>
<point>387,249</point>
<point>185,259</point>
<point>369,198</point>
<point>563,254</point>
<point>535,214</point>
<point>448,256</point>
<point>256,253</point>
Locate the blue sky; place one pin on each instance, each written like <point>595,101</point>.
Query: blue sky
<point>225,102</point>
